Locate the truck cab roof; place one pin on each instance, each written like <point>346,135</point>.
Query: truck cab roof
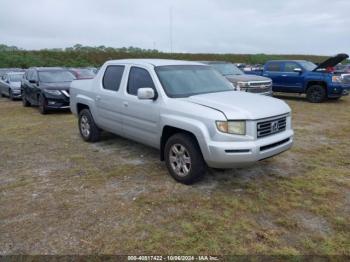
<point>154,62</point>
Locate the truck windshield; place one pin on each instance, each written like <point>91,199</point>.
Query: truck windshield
<point>56,76</point>
<point>309,66</point>
<point>227,69</point>
<point>188,80</point>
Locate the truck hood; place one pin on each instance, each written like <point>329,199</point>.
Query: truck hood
<point>241,105</point>
<point>246,78</point>
<point>331,62</point>
<point>56,86</point>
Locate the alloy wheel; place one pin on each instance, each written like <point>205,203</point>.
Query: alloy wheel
<point>85,126</point>
<point>180,160</point>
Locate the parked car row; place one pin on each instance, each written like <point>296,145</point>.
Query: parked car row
<point>195,113</point>
<point>47,88</point>
<point>318,82</point>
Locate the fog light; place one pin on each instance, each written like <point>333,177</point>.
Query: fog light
<point>52,103</point>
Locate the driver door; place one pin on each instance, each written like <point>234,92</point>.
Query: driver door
<point>140,117</point>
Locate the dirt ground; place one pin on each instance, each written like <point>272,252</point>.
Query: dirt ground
<point>60,195</point>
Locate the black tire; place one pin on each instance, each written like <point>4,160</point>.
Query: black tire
<point>25,102</point>
<point>316,94</point>
<point>1,94</point>
<point>11,95</point>
<point>197,167</point>
<point>42,105</point>
<point>86,122</point>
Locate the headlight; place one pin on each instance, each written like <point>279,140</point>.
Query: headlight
<point>337,79</point>
<point>242,84</point>
<point>232,127</point>
<point>53,92</point>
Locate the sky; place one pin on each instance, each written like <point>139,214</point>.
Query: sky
<point>197,26</point>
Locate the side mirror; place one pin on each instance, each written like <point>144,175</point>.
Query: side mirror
<point>32,81</point>
<point>8,81</point>
<point>298,70</point>
<point>146,93</point>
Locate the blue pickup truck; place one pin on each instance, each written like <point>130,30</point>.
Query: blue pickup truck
<point>318,82</point>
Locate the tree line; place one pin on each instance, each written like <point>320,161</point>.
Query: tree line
<point>82,56</point>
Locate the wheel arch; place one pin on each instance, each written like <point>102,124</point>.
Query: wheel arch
<point>316,82</point>
<point>170,130</point>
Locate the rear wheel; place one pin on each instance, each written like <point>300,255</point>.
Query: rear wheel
<point>316,94</point>
<point>87,127</point>
<point>184,159</point>
<point>25,102</point>
<point>42,105</point>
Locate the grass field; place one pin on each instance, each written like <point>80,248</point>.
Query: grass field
<point>59,195</point>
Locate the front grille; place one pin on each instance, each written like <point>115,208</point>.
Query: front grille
<point>259,87</point>
<point>270,127</point>
<point>260,83</point>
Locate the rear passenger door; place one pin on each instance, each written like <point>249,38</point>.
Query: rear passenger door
<point>273,71</point>
<point>140,117</point>
<point>108,100</point>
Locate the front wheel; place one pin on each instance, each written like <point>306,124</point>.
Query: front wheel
<point>87,127</point>
<point>42,105</point>
<point>11,95</point>
<point>316,94</point>
<point>25,102</point>
<point>184,159</point>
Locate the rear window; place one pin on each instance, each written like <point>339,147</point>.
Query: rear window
<point>273,67</point>
<point>112,77</point>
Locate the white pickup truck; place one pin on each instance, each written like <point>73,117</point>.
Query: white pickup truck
<point>187,110</point>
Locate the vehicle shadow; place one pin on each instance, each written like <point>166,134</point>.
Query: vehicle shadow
<point>303,99</point>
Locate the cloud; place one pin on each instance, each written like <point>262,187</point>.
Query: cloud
<point>220,26</point>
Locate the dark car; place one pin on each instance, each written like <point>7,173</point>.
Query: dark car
<point>47,88</point>
<point>83,73</point>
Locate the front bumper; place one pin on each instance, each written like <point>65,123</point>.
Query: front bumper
<point>16,93</point>
<point>339,90</point>
<point>57,102</point>
<point>239,154</point>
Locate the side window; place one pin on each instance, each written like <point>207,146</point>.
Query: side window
<point>112,77</point>
<point>290,66</point>
<point>31,75</point>
<point>273,67</point>
<point>138,78</point>
<point>35,75</point>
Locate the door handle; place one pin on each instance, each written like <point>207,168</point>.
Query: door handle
<point>98,98</point>
<point>284,75</point>
<point>126,104</point>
